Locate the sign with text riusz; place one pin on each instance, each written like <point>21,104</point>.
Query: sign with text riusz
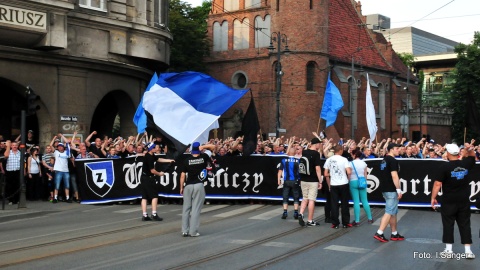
<point>23,17</point>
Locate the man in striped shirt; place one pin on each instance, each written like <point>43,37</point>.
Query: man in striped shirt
<point>291,181</point>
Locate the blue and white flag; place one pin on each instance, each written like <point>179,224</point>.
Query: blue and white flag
<point>332,103</point>
<point>370,112</point>
<point>140,118</point>
<point>184,105</point>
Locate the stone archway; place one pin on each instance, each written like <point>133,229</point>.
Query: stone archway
<point>114,115</point>
<point>14,97</point>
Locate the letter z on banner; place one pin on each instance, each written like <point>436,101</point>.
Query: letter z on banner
<point>100,177</point>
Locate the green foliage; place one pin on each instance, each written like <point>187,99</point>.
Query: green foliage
<point>188,26</point>
<point>407,58</point>
<point>467,78</point>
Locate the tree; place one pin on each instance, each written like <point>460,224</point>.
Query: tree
<point>407,58</point>
<point>467,78</point>
<point>188,26</point>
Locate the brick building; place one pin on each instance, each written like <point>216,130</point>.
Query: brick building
<point>322,36</point>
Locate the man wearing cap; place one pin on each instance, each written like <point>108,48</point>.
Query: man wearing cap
<point>61,170</point>
<point>454,179</point>
<point>194,169</point>
<point>390,188</point>
<point>148,182</point>
<point>311,181</point>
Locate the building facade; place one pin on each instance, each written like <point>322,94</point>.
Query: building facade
<point>88,60</point>
<point>251,39</point>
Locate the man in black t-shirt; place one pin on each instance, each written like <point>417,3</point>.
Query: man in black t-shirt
<point>390,188</point>
<point>148,182</point>
<point>311,181</point>
<point>454,179</point>
<point>192,188</point>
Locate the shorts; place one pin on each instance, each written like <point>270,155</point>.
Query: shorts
<point>148,187</point>
<point>391,202</point>
<point>309,190</point>
<point>62,176</point>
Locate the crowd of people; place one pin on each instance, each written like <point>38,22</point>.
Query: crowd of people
<point>48,167</point>
<point>299,173</point>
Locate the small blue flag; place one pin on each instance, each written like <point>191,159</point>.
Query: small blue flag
<point>332,103</point>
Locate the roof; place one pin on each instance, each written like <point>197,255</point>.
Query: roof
<point>348,36</point>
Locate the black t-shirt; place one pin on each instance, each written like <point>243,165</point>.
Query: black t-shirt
<point>388,165</point>
<point>97,151</point>
<point>308,162</point>
<point>148,164</point>
<point>195,167</point>
<point>455,179</point>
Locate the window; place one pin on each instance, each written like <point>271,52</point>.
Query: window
<point>262,30</point>
<point>161,13</point>
<point>239,80</point>
<point>310,76</point>
<point>252,4</point>
<point>241,34</point>
<point>94,4</point>
<point>231,5</point>
<point>220,36</point>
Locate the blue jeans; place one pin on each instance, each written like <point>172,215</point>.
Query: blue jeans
<point>59,176</point>
<point>391,202</point>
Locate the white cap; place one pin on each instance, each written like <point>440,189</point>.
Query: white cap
<point>452,149</point>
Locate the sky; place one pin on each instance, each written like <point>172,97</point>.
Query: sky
<point>453,19</point>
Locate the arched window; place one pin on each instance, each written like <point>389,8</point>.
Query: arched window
<point>262,32</point>
<point>220,36</point>
<point>311,76</point>
<point>240,34</point>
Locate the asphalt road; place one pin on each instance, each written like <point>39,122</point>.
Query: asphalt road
<point>74,236</point>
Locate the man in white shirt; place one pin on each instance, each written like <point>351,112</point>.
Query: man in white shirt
<point>336,170</point>
<point>61,170</point>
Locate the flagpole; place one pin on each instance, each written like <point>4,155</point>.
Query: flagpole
<point>465,135</point>
<point>318,126</point>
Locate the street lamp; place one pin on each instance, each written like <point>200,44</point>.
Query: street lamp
<point>279,38</point>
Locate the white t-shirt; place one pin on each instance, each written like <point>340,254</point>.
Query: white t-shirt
<point>336,165</point>
<point>61,161</point>
<point>360,165</point>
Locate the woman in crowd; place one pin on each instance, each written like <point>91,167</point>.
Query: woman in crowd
<point>34,180</point>
<point>359,168</point>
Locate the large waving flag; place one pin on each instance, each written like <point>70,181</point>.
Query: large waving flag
<point>140,118</point>
<point>184,105</point>
<point>332,103</point>
<point>371,118</point>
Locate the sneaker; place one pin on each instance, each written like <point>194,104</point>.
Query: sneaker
<point>312,224</point>
<point>69,200</point>
<point>380,237</point>
<point>348,225</point>
<point>355,224</point>
<point>370,221</point>
<point>334,226</point>
<point>300,220</point>
<point>156,218</point>
<point>397,237</point>
<point>55,201</point>
<point>446,254</point>
<point>284,215</point>
<point>185,234</point>
<point>195,235</point>
<point>146,218</point>
<point>295,215</point>
<point>469,255</point>
<point>50,199</point>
